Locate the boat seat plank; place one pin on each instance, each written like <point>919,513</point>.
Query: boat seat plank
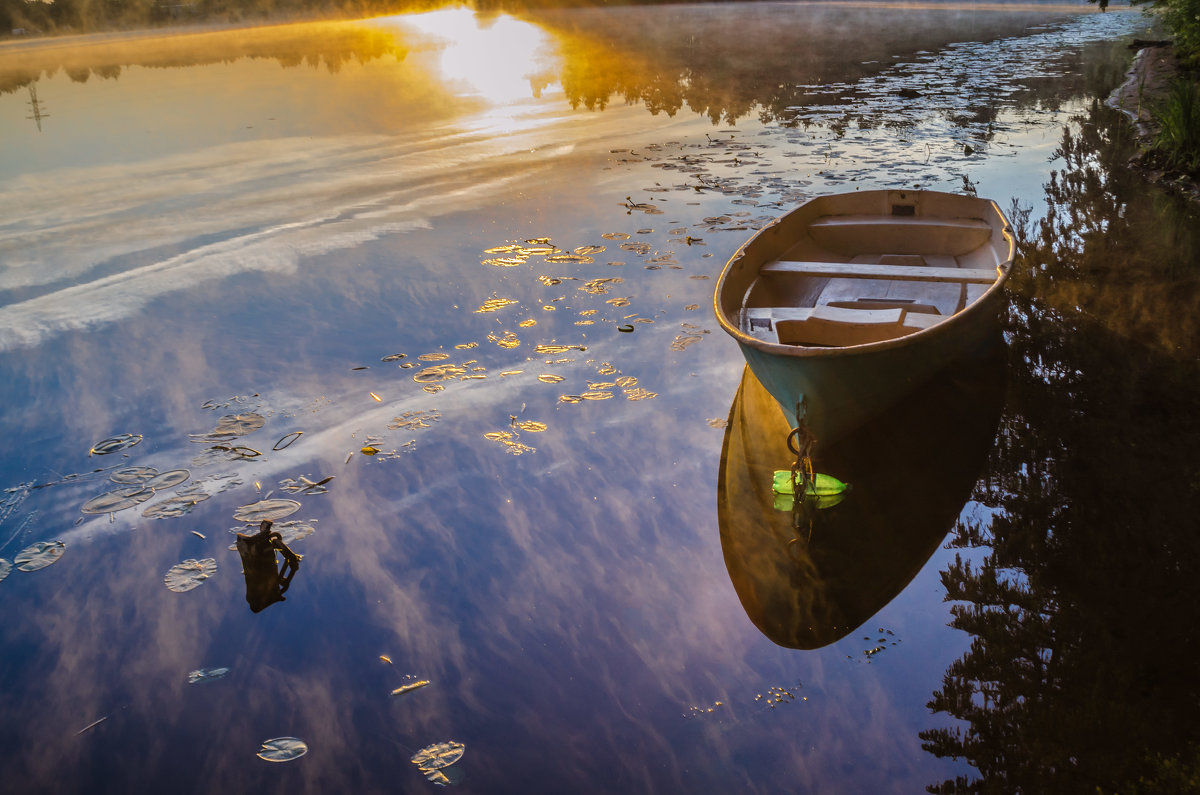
<point>834,325</point>
<point>912,223</point>
<point>922,320</point>
<point>909,273</point>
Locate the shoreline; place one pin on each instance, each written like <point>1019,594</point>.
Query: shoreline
<point>1147,83</point>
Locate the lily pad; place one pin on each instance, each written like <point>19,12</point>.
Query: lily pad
<point>169,479</point>
<point>189,574</point>
<point>116,443</point>
<point>5,568</point>
<point>289,532</point>
<point>201,675</point>
<point>39,555</point>
<point>283,749</point>
<point>130,476</point>
<point>239,424</point>
<point>271,510</point>
<point>174,506</point>
<point>117,499</point>
<point>438,755</point>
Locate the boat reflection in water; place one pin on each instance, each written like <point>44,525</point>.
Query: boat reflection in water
<point>911,471</point>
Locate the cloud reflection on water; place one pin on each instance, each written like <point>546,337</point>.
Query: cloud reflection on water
<point>568,606</point>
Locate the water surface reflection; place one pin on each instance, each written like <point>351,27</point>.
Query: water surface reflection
<point>911,471</point>
<point>1076,586</point>
<point>318,251</point>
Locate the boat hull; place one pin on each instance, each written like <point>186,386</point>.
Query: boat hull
<point>841,392</point>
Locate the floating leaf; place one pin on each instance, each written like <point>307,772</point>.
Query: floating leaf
<point>202,675</point>
<point>133,475</point>
<point>189,574</point>
<point>117,500</point>
<point>239,424</point>
<point>438,755</point>
<point>39,555</point>
<point>509,440</point>
<point>289,532</point>
<point>504,262</point>
<point>115,443</point>
<point>408,687</point>
<point>168,479</point>
<point>287,440</point>
<point>395,357</point>
<point>305,485</point>
<point>175,506</point>
<point>505,340</point>
<point>553,349</point>
<point>439,372</point>
<point>494,304</point>
<point>414,420</point>
<point>282,749</point>
<point>6,568</point>
<point>272,510</point>
<point>682,341</point>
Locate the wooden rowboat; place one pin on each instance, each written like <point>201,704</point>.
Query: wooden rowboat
<point>852,300</point>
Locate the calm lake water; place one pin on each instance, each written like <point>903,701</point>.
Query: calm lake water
<point>469,259</point>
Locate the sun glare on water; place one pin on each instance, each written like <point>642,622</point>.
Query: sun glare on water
<point>498,58</point>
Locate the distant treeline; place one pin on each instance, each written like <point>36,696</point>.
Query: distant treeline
<point>35,17</point>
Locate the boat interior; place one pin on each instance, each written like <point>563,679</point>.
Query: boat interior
<point>852,279</point>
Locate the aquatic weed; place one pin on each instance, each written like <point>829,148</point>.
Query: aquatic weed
<point>1178,139</point>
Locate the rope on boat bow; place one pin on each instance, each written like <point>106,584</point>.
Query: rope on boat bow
<point>801,443</point>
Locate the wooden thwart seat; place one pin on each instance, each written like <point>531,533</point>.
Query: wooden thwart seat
<point>833,326</point>
<point>905,273</point>
<point>908,222</point>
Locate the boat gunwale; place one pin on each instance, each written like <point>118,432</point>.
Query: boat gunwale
<point>951,322</point>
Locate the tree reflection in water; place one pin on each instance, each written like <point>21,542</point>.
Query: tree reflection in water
<point>1079,590</point>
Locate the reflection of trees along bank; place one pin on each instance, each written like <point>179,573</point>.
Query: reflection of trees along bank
<point>1080,592</point>
<point>322,44</point>
<point>911,470</point>
<point>728,78</point>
